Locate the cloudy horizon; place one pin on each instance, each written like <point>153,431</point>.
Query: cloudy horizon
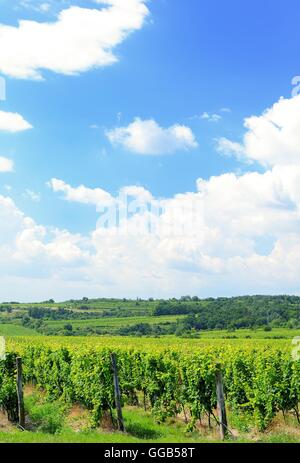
<point>191,139</point>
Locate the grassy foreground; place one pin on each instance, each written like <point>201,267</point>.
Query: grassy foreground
<point>53,423</point>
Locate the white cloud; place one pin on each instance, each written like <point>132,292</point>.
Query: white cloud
<point>44,7</point>
<point>272,138</point>
<point>80,39</point>
<point>36,197</point>
<point>31,5</point>
<point>206,242</point>
<point>22,241</point>
<point>211,117</point>
<point>97,196</point>
<point>233,234</point>
<point>6,165</point>
<point>148,138</point>
<point>228,148</point>
<point>137,192</point>
<point>13,122</point>
<point>82,194</point>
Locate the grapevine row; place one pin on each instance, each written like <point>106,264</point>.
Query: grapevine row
<point>258,382</point>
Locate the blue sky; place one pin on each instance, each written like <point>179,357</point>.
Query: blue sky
<point>202,65</point>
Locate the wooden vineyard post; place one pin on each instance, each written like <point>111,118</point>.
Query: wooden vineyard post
<point>21,409</point>
<point>221,404</point>
<point>117,393</point>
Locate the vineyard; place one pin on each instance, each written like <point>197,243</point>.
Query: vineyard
<point>259,381</point>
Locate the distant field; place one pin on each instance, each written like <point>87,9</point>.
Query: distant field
<point>147,344</point>
<point>119,316</point>
<point>253,334</point>
<point>111,316</point>
<point>204,336</point>
<point>92,305</point>
<point>16,330</point>
<point>117,322</point>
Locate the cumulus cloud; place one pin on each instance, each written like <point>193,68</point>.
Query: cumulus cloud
<point>229,148</point>
<point>211,117</point>
<point>32,5</point>
<point>6,165</point>
<point>203,242</point>
<point>23,243</point>
<point>146,137</point>
<point>273,138</point>
<point>81,194</point>
<point>209,240</point>
<point>36,197</point>
<point>80,39</point>
<point>13,122</point>
<point>137,192</point>
<point>98,197</point>
<point>231,234</point>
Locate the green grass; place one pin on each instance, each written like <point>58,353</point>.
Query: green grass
<point>253,334</point>
<point>93,304</point>
<point>140,428</point>
<point>10,329</point>
<point>19,437</point>
<point>117,322</point>
<point>50,422</point>
<point>48,417</point>
<point>84,437</point>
